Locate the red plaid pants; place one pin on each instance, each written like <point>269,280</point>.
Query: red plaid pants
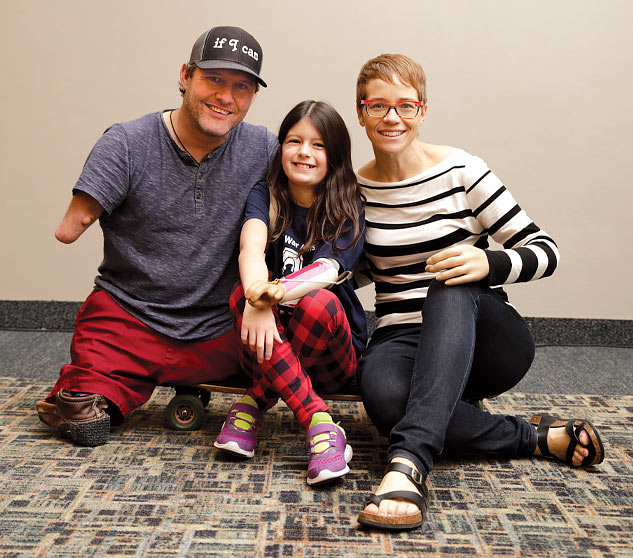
<point>316,352</point>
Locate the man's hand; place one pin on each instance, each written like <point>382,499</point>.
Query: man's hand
<point>262,294</point>
<point>259,331</point>
<point>459,264</point>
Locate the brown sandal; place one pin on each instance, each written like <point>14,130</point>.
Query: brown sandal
<point>573,427</point>
<point>420,498</point>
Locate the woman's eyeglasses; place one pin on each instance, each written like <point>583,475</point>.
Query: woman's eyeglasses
<point>404,109</point>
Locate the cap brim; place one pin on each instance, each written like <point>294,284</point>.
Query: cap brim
<point>228,65</point>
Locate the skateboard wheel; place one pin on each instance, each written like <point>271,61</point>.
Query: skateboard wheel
<point>203,394</point>
<point>185,412</point>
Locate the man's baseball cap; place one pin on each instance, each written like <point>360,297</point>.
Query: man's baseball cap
<point>228,48</point>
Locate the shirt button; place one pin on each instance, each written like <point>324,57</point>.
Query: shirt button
<point>199,176</point>
<point>198,195</point>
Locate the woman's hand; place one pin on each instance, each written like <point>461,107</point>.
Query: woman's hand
<point>459,264</point>
<point>261,294</point>
<point>259,331</point>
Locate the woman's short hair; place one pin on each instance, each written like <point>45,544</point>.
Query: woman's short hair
<point>384,67</point>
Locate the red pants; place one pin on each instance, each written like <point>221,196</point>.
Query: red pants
<point>118,356</point>
<point>317,349</point>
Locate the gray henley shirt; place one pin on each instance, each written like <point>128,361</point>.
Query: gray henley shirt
<point>171,226</point>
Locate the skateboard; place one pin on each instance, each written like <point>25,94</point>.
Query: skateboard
<point>185,410</point>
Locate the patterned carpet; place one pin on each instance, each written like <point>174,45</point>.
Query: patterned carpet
<point>154,492</point>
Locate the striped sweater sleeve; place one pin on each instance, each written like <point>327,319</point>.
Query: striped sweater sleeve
<point>528,253</point>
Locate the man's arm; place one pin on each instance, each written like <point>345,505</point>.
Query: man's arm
<point>82,212</point>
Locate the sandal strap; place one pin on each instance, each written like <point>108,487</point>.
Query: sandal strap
<point>573,431</point>
<point>574,440</point>
<point>414,476</point>
<point>419,500</point>
<point>541,440</point>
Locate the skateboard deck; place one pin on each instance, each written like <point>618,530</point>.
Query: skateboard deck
<point>185,410</point>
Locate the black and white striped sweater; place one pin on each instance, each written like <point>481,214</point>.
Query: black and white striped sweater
<point>458,201</point>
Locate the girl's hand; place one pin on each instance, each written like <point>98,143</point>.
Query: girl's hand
<point>261,294</point>
<point>259,331</point>
<point>459,264</point>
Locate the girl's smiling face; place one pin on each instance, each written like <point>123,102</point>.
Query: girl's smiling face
<point>303,156</point>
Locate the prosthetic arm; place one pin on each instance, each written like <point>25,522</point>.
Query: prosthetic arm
<point>319,275</point>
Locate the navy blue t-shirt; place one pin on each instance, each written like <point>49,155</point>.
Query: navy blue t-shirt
<point>282,258</point>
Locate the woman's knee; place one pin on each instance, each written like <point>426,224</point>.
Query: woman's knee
<point>452,299</point>
<point>439,289</point>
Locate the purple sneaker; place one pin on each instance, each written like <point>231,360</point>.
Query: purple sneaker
<point>238,434</point>
<point>330,462</point>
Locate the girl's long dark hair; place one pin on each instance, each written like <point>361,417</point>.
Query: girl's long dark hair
<point>335,209</point>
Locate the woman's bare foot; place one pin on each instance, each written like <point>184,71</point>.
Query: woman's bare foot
<point>395,480</point>
<point>558,440</point>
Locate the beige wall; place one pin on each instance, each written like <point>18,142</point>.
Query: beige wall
<point>542,90</point>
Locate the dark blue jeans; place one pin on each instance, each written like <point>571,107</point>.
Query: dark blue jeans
<point>416,381</point>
